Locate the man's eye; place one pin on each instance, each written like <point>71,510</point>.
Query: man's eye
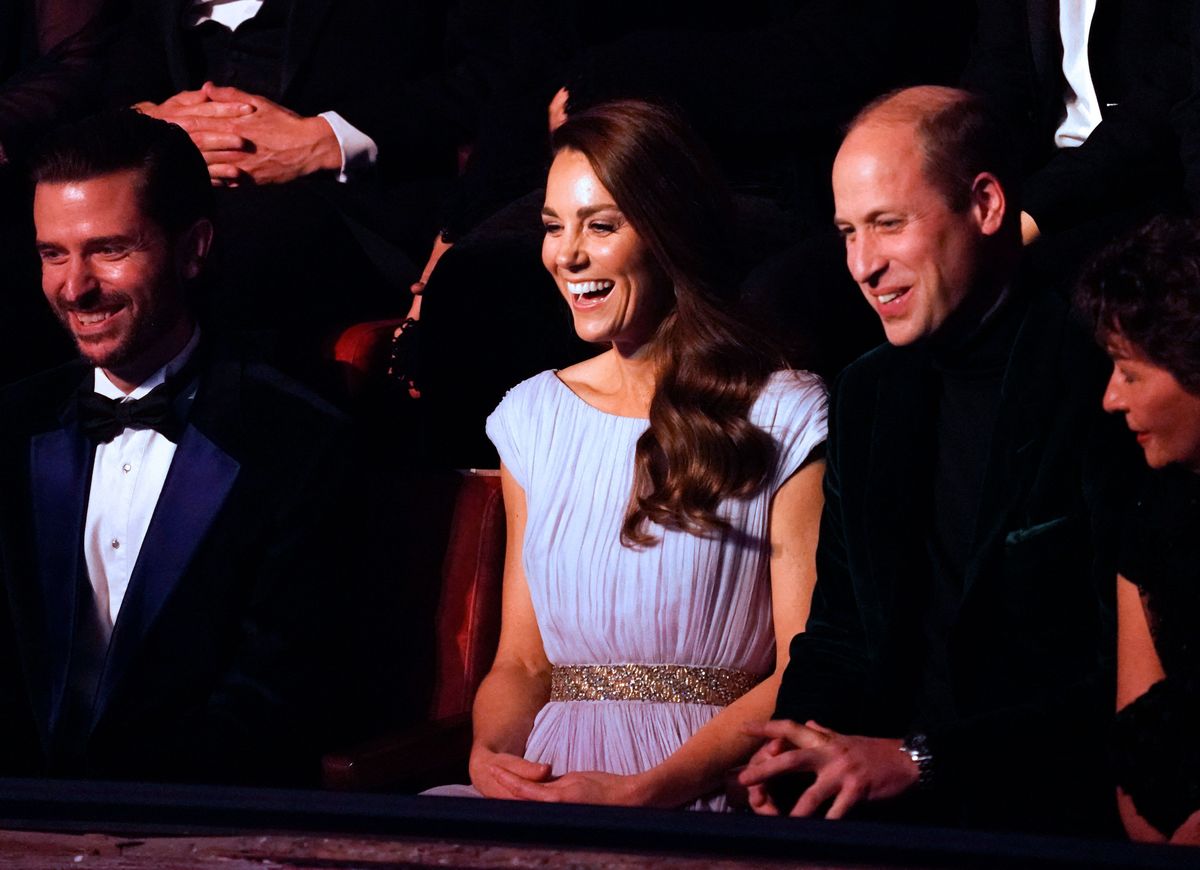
<point>889,224</point>
<point>49,256</point>
<point>1126,375</point>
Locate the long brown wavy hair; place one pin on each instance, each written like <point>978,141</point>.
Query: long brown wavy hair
<point>701,448</point>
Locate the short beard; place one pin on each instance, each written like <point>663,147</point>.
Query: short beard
<point>143,336</point>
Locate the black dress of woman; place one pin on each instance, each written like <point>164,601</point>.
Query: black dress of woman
<point>1157,737</point>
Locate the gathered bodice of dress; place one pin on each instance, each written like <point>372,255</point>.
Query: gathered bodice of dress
<point>688,599</point>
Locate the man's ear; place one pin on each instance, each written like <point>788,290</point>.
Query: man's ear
<point>192,248</point>
<point>988,203</point>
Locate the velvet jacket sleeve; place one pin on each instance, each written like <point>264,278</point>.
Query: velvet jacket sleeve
<point>828,667</point>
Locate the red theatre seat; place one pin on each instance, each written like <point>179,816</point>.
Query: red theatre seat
<point>363,349</point>
<point>467,629</point>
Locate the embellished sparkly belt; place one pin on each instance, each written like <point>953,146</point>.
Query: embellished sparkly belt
<point>672,684</point>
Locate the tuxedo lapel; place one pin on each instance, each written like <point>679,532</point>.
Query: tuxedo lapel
<point>898,476</point>
<point>305,21</point>
<point>60,471</point>
<point>200,479</point>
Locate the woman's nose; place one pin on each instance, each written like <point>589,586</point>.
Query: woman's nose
<point>571,253</point>
<point>1114,397</point>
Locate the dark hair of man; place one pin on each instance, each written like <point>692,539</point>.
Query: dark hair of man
<point>701,447</point>
<point>960,136</point>
<point>175,187</point>
<point>1144,289</point>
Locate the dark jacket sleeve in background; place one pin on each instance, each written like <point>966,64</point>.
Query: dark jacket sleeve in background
<point>1139,65</point>
<point>49,62</point>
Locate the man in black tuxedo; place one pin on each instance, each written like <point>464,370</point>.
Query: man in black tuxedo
<point>954,669</point>
<point>330,139</point>
<point>175,546</point>
<point>1091,90</point>
<point>330,129</point>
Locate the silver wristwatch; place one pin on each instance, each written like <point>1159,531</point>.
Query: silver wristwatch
<point>916,747</point>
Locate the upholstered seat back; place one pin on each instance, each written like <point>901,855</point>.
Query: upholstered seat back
<point>468,609</point>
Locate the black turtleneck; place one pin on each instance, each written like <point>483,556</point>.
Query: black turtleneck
<point>967,373</point>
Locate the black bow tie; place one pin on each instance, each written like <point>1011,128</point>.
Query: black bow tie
<point>102,419</point>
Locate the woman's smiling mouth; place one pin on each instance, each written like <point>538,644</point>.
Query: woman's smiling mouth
<point>590,289</point>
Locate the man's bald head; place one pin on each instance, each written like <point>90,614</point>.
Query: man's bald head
<point>930,231</point>
<point>909,105</point>
<point>959,135</point>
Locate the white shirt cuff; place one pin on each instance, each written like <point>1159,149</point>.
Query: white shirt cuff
<point>359,150</point>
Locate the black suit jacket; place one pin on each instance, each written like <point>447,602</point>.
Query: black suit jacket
<point>220,663</point>
<point>1138,58</point>
<point>1030,650</point>
<point>411,75</point>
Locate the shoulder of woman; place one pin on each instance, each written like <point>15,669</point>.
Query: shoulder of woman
<point>523,401</point>
<point>584,374</point>
<point>791,401</point>
<point>788,389</point>
<point>527,391</point>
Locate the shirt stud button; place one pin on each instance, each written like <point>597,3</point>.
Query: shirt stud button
<point>116,545</point>
<point>127,468</point>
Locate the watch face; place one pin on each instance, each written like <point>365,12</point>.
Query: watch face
<point>916,746</point>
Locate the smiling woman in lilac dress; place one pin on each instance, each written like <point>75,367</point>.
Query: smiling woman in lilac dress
<point>663,497</point>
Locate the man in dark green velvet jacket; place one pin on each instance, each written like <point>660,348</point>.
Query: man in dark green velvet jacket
<point>956,667</point>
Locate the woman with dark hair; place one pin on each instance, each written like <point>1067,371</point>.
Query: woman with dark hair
<point>662,497</point>
<point>1143,295</point>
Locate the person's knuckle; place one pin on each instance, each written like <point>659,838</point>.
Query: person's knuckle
<point>839,768</point>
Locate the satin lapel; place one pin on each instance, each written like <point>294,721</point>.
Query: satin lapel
<point>898,477</point>
<point>304,25</point>
<point>60,470</point>
<point>201,478</point>
<point>172,25</point>
<point>1027,405</point>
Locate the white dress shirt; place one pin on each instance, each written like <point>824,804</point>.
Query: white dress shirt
<point>1082,104</point>
<point>127,479</point>
<point>359,150</point>
<point>231,13</point>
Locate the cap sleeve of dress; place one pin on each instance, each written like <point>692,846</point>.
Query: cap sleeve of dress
<point>511,429</point>
<point>793,410</point>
